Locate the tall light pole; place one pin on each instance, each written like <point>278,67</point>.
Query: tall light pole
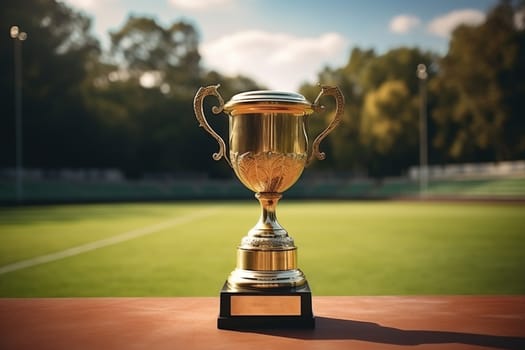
<point>18,37</point>
<point>423,148</point>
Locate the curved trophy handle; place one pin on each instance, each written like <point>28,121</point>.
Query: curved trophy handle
<point>339,108</point>
<point>203,123</point>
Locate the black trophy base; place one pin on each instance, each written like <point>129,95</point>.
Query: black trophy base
<point>266,309</point>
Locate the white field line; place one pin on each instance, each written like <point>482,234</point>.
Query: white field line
<point>126,236</point>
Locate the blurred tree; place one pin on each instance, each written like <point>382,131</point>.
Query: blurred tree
<point>390,118</point>
<point>158,56</point>
<point>150,85</point>
<point>55,59</point>
<point>351,153</point>
<point>389,127</point>
<point>379,133</point>
<point>480,90</point>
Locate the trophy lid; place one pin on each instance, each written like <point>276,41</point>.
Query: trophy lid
<point>262,101</point>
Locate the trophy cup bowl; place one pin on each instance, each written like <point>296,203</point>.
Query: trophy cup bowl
<point>268,151</point>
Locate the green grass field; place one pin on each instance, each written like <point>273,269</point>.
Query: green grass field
<point>345,247</point>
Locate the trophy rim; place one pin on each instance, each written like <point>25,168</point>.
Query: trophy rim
<point>266,96</point>
<point>273,101</point>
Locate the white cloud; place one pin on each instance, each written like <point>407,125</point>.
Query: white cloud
<point>404,23</point>
<point>444,25</point>
<point>280,61</point>
<point>198,4</point>
<point>82,4</point>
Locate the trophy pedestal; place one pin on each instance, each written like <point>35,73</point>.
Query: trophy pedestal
<point>271,308</point>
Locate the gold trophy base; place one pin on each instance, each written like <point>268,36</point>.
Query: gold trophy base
<point>266,309</point>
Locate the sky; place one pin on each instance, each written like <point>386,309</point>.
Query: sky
<point>284,43</point>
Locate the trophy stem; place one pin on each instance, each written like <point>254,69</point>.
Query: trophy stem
<point>268,234</point>
<point>268,226</point>
<point>267,256</point>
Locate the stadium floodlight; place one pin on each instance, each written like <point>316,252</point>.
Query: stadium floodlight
<point>18,37</point>
<point>422,75</point>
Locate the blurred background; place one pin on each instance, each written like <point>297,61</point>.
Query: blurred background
<point>97,96</point>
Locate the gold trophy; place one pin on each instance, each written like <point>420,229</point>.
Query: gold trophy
<point>268,150</point>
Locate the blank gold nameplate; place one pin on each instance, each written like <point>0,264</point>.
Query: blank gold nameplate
<point>265,305</point>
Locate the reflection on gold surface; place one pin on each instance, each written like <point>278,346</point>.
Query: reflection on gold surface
<point>267,260</point>
<point>268,171</point>
<point>268,151</point>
